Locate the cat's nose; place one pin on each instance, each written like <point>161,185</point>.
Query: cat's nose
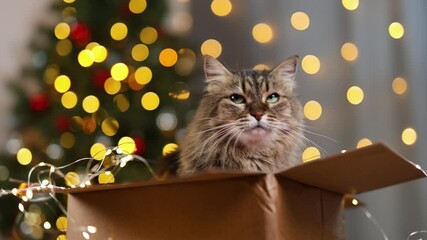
<point>257,115</point>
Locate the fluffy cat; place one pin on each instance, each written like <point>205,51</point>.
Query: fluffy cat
<point>248,121</point>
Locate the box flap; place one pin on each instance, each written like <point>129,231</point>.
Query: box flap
<point>356,171</point>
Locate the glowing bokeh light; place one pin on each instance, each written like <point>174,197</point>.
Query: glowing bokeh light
<point>112,86</point>
<point>85,58</point>
<point>310,64</point>
<point>106,177</point>
<point>72,179</point>
<point>100,53</point>
<point>148,35</point>
<point>349,51</point>
<point>137,6</point>
<point>61,224</point>
<point>110,126</point>
<point>122,102</point>
<point>140,52</point>
<point>262,33</point>
<point>119,71</point>
<point>62,30</point>
<point>69,100</point>
<point>355,95</point>
<point>396,30</point>
<point>118,31</point>
<point>64,47</point>
<point>300,21</point>
<point>62,83</point>
<point>67,140</point>
<point>221,8</point>
<point>211,47</point>
<point>90,104</point>
<point>312,110</point>
<point>168,57</point>
<point>127,145</point>
<point>399,85</point>
<point>98,151</point>
<point>150,101</point>
<point>143,75</point>
<point>310,154</point>
<point>363,143</point>
<point>409,136</point>
<point>169,148</point>
<point>24,156</point>
<point>350,5</point>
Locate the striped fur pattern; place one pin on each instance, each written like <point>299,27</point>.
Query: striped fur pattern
<point>247,121</point>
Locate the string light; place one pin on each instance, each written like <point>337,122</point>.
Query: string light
<point>310,64</point>
<point>262,33</point>
<point>211,47</point>
<point>127,145</point>
<point>310,154</point>
<point>300,21</point>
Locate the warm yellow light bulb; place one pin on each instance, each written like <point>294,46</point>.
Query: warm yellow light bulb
<point>119,31</point>
<point>106,177</point>
<point>148,35</point>
<point>300,21</point>
<point>150,101</point>
<point>409,136</point>
<point>221,8</point>
<point>168,57</point>
<point>312,110</point>
<point>90,104</point>
<point>310,154</point>
<point>85,58</point>
<point>355,95</point>
<point>24,156</point>
<point>127,145</point>
<point>119,71</point>
<point>211,47</point>
<point>62,30</point>
<point>69,100</point>
<point>98,151</point>
<point>396,30</point>
<point>350,5</point>
<point>137,6</point>
<point>349,51</point>
<point>140,52</point>
<point>112,86</point>
<point>62,83</point>
<point>143,75</point>
<point>310,64</point>
<point>399,85</point>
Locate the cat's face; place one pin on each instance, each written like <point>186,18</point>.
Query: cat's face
<point>253,107</point>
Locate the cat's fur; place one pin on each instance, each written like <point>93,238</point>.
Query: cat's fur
<point>240,126</point>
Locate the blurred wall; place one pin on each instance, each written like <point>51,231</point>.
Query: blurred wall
<point>18,19</point>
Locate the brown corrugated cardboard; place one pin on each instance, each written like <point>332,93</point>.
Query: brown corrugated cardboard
<point>304,202</point>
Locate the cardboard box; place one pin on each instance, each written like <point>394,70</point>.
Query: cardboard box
<point>304,202</point>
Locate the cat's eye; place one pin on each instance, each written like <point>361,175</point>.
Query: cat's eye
<point>273,98</point>
<point>237,99</point>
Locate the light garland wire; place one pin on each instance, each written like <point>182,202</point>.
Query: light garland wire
<point>45,188</point>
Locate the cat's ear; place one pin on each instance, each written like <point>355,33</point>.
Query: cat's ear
<point>214,70</point>
<point>286,71</point>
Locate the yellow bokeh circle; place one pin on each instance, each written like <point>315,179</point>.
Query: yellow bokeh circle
<point>211,47</point>
<point>85,58</point>
<point>100,53</point>
<point>90,104</point>
<point>310,64</point>
<point>310,154</point>
<point>168,57</point>
<point>127,145</point>
<point>355,95</point>
<point>143,75</point>
<point>169,148</point>
<point>67,140</point>
<point>112,86</point>
<point>137,6</point>
<point>72,179</point>
<point>62,30</point>
<point>62,83</point>
<point>221,8</point>
<point>312,110</point>
<point>24,156</point>
<point>110,126</point>
<point>64,47</point>
<point>140,52</point>
<point>409,136</point>
<point>119,31</point>
<point>300,21</point>
<point>363,143</point>
<point>262,33</point>
<point>349,51</point>
<point>399,85</point>
<point>150,101</point>
<point>148,35</point>
<point>61,223</point>
<point>106,177</point>
<point>98,151</point>
<point>69,100</point>
<point>350,5</point>
<point>396,30</point>
<point>119,71</point>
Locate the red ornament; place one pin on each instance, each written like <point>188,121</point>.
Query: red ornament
<point>140,145</point>
<point>80,33</point>
<point>100,77</point>
<point>39,102</point>
<point>62,124</point>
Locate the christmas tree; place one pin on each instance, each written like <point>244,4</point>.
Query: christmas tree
<point>106,71</point>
